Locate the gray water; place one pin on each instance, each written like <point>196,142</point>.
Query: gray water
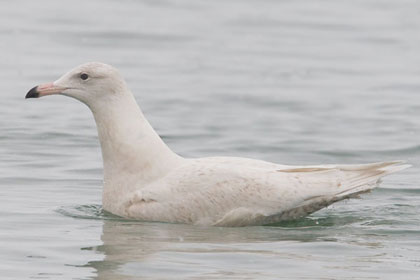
<point>294,82</point>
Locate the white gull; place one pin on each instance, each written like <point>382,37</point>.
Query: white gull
<point>145,180</point>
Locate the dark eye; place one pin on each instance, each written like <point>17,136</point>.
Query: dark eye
<point>84,76</point>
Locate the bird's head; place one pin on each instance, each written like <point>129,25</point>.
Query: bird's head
<point>88,83</point>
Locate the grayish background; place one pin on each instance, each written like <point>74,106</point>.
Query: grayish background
<point>295,82</point>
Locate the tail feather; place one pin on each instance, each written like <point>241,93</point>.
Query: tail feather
<point>353,180</point>
<point>369,177</point>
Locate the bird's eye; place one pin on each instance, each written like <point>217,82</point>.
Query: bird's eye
<point>84,76</point>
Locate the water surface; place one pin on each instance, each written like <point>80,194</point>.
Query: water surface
<point>294,82</point>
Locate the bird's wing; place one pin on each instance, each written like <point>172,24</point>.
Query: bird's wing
<point>223,194</point>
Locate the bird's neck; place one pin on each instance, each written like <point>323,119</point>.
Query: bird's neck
<point>133,153</point>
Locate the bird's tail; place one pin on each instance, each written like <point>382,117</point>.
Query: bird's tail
<point>349,181</point>
<point>367,177</point>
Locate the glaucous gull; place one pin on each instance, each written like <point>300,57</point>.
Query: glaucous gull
<point>145,180</point>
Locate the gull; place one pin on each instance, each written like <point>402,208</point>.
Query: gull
<point>145,180</point>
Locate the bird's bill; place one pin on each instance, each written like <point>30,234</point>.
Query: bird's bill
<point>44,89</point>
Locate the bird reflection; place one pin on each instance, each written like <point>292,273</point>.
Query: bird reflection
<point>129,246</point>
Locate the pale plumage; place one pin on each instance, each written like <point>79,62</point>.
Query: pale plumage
<point>238,192</point>
<point>145,180</point>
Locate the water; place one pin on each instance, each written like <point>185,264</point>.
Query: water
<point>298,82</point>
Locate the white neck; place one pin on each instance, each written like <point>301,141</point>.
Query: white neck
<point>133,154</point>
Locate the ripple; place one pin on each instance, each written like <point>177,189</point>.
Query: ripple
<point>90,212</point>
<point>310,222</point>
<point>411,150</point>
<point>96,212</point>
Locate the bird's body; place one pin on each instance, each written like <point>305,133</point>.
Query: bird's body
<point>226,191</point>
<point>145,180</point>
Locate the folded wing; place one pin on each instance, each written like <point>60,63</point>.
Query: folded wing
<point>223,194</point>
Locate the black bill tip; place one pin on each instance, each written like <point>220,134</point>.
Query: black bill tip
<point>33,93</point>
